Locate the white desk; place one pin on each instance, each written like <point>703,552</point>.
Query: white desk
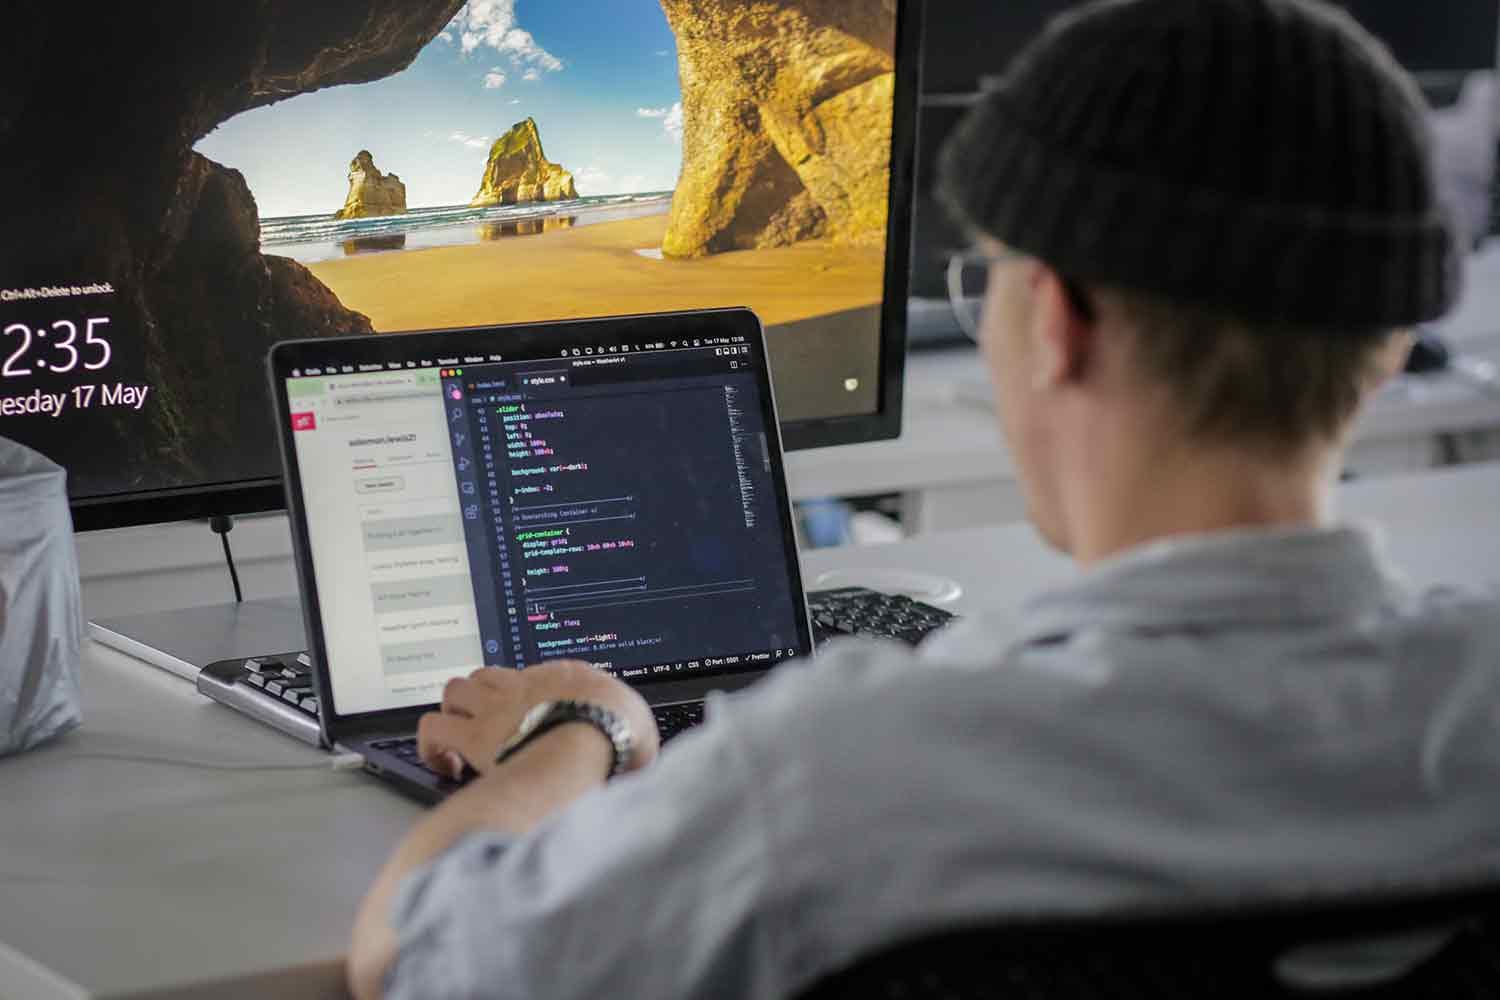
<point>121,877</point>
<point>128,877</point>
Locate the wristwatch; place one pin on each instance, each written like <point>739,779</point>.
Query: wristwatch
<point>551,714</point>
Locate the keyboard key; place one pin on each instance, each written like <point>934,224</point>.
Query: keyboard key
<point>256,680</point>
<point>672,720</point>
<point>309,704</point>
<point>405,750</point>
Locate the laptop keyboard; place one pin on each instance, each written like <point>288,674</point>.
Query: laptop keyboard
<point>404,747</point>
<point>671,720</point>
<point>278,689</point>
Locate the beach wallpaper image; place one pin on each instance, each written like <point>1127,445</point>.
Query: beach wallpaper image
<point>541,160</point>
<point>263,171</point>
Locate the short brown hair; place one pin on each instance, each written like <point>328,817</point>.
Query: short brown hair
<point>1268,386</point>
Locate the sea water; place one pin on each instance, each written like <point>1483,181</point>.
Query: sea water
<point>311,238</point>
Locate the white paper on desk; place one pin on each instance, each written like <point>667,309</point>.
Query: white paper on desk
<point>41,620</point>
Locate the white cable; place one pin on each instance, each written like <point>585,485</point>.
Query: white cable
<point>347,761</point>
<point>339,762</point>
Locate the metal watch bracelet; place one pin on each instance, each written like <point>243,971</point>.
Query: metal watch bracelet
<point>549,715</point>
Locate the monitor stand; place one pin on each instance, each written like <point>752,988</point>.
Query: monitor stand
<point>185,641</point>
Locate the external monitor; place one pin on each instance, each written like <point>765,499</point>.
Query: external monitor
<point>964,42</point>
<point>189,183</point>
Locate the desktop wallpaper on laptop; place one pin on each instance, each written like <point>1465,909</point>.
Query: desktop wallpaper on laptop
<point>199,180</point>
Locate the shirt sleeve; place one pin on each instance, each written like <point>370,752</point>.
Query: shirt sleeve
<point>712,873</point>
<point>653,886</point>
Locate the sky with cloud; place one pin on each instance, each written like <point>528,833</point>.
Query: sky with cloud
<point>599,77</point>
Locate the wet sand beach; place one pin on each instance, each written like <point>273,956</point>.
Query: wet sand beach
<point>596,270</point>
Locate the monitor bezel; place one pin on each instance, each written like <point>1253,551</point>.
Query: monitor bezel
<point>885,423</point>
<point>266,495</point>
<point>400,348</point>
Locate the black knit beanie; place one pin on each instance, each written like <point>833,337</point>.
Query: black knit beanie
<point>1266,157</point>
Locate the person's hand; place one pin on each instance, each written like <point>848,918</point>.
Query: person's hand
<point>482,711</point>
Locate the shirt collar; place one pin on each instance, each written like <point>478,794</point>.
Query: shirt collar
<point>1235,577</point>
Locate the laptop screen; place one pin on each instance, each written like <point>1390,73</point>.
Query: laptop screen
<point>596,493</point>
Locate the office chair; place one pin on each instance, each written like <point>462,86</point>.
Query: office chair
<point>1221,951</point>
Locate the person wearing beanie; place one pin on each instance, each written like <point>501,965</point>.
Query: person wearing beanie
<point>1201,231</point>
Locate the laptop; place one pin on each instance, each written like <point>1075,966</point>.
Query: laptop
<point>609,490</point>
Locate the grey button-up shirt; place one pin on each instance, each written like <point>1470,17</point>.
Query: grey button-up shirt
<point>1246,713</point>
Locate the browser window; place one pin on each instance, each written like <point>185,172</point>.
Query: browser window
<point>388,547</point>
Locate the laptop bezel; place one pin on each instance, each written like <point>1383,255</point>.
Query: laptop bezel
<point>503,339</point>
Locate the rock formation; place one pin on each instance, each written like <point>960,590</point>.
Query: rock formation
<point>787,122</point>
<point>371,193</point>
<point>518,171</point>
<point>384,242</point>
<point>525,227</point>
<point>127,201</point>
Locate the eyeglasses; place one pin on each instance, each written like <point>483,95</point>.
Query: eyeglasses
<point>968,280</point>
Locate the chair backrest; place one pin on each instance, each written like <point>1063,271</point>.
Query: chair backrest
<point>1450,939</point>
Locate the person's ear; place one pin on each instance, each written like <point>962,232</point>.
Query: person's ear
<point>1390,358</point>
<point>1062,339</point>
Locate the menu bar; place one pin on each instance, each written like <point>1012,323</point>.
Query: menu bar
<point>723,345</point>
